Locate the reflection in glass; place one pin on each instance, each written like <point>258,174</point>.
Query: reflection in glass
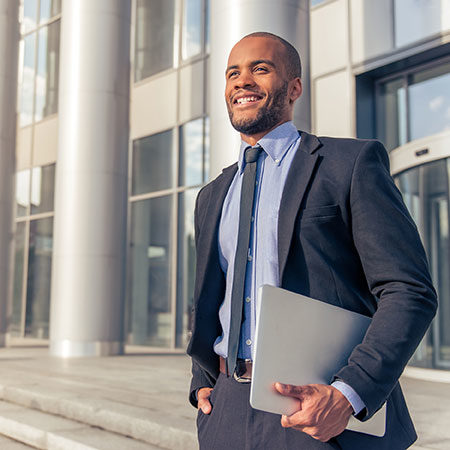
<point>152,163</point>
<point>150,318</point>
<point>391,113</point>
<point>15,324</point>
<point>435,193</point>
<point>22,192</point>
<point>28,47</point>
<point>207,27</point>
<point>185,265</point>
<point>42,189</point>
<point>47,71</point>
<point>29,21</point>
<point>191,43</point>
<point>49,9</point>
<point>39,277</point>
<point>426,193</point>
<point>154,37</point>
<point>191,153</point>
<point>429,97</point>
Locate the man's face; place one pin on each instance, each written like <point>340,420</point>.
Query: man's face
<point>256,90</point>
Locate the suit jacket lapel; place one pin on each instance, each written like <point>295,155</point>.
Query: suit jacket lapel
<point>211,219</point>
<point>297,181</point>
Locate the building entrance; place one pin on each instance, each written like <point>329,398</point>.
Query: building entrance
<point>425,189</point>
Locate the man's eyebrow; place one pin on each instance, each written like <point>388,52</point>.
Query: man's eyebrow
<point>231,67</point>
<point>253,64</point>
<point>263,61</point>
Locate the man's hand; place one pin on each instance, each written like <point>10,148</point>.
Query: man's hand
<point>203,400</point>
<point>323,410</point>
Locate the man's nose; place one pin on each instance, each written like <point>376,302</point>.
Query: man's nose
<point>244,79</point>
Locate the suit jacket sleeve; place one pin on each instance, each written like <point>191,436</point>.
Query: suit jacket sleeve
<point>396,270</point>
<point>200,378</point>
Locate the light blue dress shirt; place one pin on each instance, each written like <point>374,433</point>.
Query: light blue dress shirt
<point>280,146</point>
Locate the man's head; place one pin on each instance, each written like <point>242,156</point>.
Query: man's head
<point>262,83</point>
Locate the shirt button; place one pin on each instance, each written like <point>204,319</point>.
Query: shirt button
<point>248,342</point>
<point>277,161</point>
<point>249,258</point>
<point>248,299</point>
<point>253,219</point>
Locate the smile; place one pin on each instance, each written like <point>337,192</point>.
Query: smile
<point>247,99</point>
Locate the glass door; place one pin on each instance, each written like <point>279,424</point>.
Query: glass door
<point>425,190</point>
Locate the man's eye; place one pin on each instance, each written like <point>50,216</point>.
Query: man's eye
<point>260,69</point>
<point>232,74</point>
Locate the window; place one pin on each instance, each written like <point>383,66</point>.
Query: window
<point>154,41</point>
<point>161,260</point>
<point>42,189</point>
<point>33,252</point>
<point>39,60</point>
<point>152,163</point>
<point>413,104</point>
<point>47,71</point>
<point>150,318</point>
<point>193,164</point>
<point>194,28</point>
<point>39,278</point>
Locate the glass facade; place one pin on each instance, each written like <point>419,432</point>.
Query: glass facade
<point>150,318</point>
<point>33,252</point>
<point>161,257</point>
<point>414,104</point>
<point>157,34</point>
<point>39,60</point>
<point>426,193</point>
<point>39,278</point>
<point>154,37</point>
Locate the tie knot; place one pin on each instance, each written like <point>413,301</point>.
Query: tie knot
<point>252,153</point>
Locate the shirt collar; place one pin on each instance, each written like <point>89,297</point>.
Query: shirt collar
<point>276,143</point>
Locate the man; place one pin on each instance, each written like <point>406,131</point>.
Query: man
<point>317,216</point>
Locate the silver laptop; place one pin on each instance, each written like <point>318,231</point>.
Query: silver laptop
<point>301,341</point>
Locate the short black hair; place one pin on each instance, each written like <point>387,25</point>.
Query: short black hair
<point>293,63</point>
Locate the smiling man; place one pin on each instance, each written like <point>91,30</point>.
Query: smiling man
<point>317,216</point>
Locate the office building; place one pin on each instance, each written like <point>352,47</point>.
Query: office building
<point>121,120</point>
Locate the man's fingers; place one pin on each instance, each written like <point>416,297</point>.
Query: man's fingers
<point>296,420</point>
<point>203,400</point>
<point>290,390</point>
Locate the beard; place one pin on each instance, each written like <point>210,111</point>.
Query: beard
<point>267,117</point>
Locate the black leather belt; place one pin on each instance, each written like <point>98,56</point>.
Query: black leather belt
<point>243,372</point>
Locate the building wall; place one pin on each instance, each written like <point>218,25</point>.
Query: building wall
<point>354,45</point>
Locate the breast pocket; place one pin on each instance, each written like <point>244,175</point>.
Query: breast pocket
<point>319,213</point>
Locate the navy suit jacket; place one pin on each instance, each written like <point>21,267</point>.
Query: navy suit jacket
<point>344,237</point>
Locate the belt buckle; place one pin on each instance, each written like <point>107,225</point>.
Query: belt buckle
<point>239,378</point>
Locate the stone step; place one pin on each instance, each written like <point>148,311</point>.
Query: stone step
<point>155,421</point>
<point>49,432</point>
<point>11,444</point>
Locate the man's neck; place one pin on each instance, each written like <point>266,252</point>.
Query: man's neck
<point>252,139</point>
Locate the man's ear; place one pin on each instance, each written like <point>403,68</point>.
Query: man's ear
<point>295,89</point>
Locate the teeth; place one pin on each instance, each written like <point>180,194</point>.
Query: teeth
<point>243,100</point>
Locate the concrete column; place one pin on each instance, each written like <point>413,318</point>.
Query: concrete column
<point>230,21</point>
<point>9,45</point>
<point>88,275</point>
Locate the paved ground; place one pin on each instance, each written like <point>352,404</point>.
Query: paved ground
<point>150,391</point>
